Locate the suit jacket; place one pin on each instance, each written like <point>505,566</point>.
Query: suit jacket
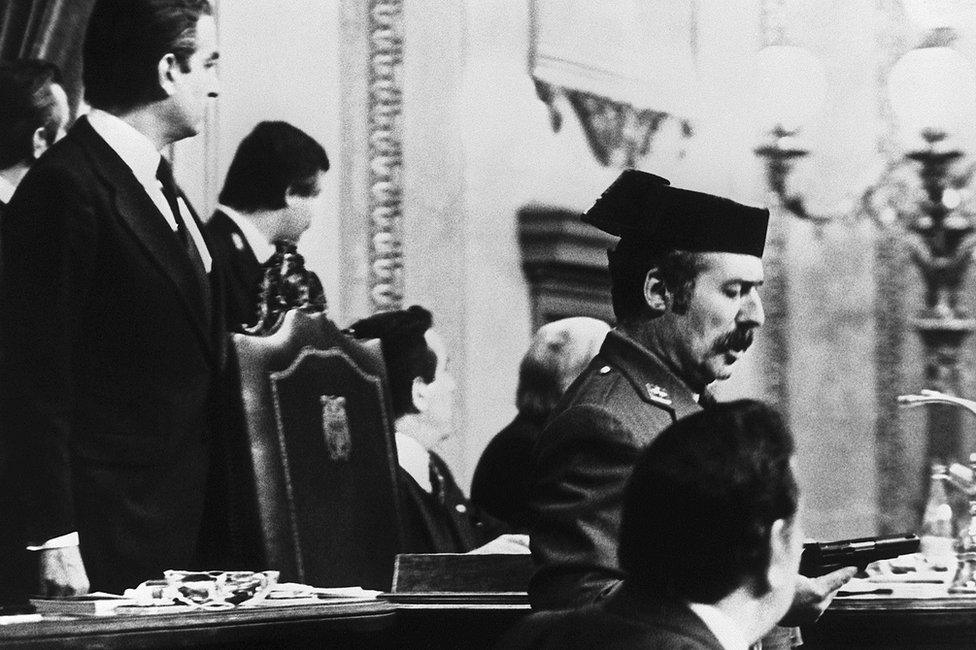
<point>623,621</point>
<point>443,522</point>
<point>110,357</point>
<point>503,476</point>
<point>243,270</point>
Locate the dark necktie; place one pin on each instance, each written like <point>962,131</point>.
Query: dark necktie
<point>436,481</point>
<point>706,400</point>
<point>164,174</point>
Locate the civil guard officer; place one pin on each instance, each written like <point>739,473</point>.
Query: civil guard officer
<point>685,279</point>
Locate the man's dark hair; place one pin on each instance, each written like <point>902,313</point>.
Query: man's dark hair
<point>124,43</point>
<point>272,158</point>
<point>405,351</point>
<point>27,104</point>
<point>701,501</point>
<point>629,263</point>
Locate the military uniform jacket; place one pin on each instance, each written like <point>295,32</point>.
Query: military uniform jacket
<point>582,462</point>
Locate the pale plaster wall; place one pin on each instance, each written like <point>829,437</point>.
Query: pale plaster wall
<point>279,61</point>
<point>478,146</point>
<point>510,157</point>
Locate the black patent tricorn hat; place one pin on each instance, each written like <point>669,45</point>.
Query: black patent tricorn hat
<point>644,208</point>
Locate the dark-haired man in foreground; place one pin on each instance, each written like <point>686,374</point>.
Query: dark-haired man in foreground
<point>710,542</point>
<point>685,279</point>
<point>111,327</point>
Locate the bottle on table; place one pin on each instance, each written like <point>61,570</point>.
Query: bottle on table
<point>937,538</point>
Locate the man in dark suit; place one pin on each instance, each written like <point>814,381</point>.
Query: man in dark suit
<point>272,192</point>
<point>437,517</point>
<point>33,115</point>
<point>709,542</point>
<point>112,328</point>
<point>685,279</point>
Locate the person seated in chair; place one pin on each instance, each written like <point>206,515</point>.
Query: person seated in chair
<point>557,355</point>
<point>710,542</point>
<point>272,193</point>
<point>437,517</point>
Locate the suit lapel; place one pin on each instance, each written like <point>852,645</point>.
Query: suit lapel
<point>143,219</point>
<point>239,252</point>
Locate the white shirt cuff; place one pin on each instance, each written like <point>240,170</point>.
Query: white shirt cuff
<point>71,539</point>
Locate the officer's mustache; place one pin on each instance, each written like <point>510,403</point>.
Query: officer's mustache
<point>737,340</point>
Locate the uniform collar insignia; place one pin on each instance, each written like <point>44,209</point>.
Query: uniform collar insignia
<point>657,394</point>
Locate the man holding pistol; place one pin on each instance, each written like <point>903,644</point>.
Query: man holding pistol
<point>685,279</point>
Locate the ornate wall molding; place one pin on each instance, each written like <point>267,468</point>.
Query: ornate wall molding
<point>776,335</point>
<point>385,109</point>
<point>622,83</point>
<point>565,263</point>
<point>618,133</point>
<point>901,484</point>
<point>776,360</point>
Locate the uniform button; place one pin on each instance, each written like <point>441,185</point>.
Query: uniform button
<point>604,370</point>
<point>461,508</point>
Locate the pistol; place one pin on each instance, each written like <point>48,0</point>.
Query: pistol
<point>819,558</point>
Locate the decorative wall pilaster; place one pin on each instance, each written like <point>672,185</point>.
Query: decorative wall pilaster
<point>385,153</point>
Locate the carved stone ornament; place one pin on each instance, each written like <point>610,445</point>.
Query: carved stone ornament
<point>385,100</point>
<point>625,73</point>
<point>618,134</point>
<point>286,284</point>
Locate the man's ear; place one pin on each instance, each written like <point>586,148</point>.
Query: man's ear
<point>418,392</point>
<point>165,71</point>
<point>291,195</point>
<point>782,563</point>
<point>656,293</point>
<point>39,142</point>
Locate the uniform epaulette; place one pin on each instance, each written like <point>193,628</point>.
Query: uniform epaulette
<point>658,395</point>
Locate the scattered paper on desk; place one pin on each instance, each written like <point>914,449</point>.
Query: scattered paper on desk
<point>911,568</point>
<point>10,619</point>
<point>872,588</point>
<point>293,593</point>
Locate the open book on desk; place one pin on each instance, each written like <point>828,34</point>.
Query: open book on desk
<point>454,578</point>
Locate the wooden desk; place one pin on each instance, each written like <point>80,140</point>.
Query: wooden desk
<point>472,626</point>
<point>353,625</point>
<point>862,622</point>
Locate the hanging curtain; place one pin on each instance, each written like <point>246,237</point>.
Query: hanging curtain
<point>52,30</point>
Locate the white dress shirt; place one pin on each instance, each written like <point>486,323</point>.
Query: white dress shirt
<point>262,248</point>
<point>415,459</point>
<point>723,627</point>
<point>6,190</point>
<point>139,154</point>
